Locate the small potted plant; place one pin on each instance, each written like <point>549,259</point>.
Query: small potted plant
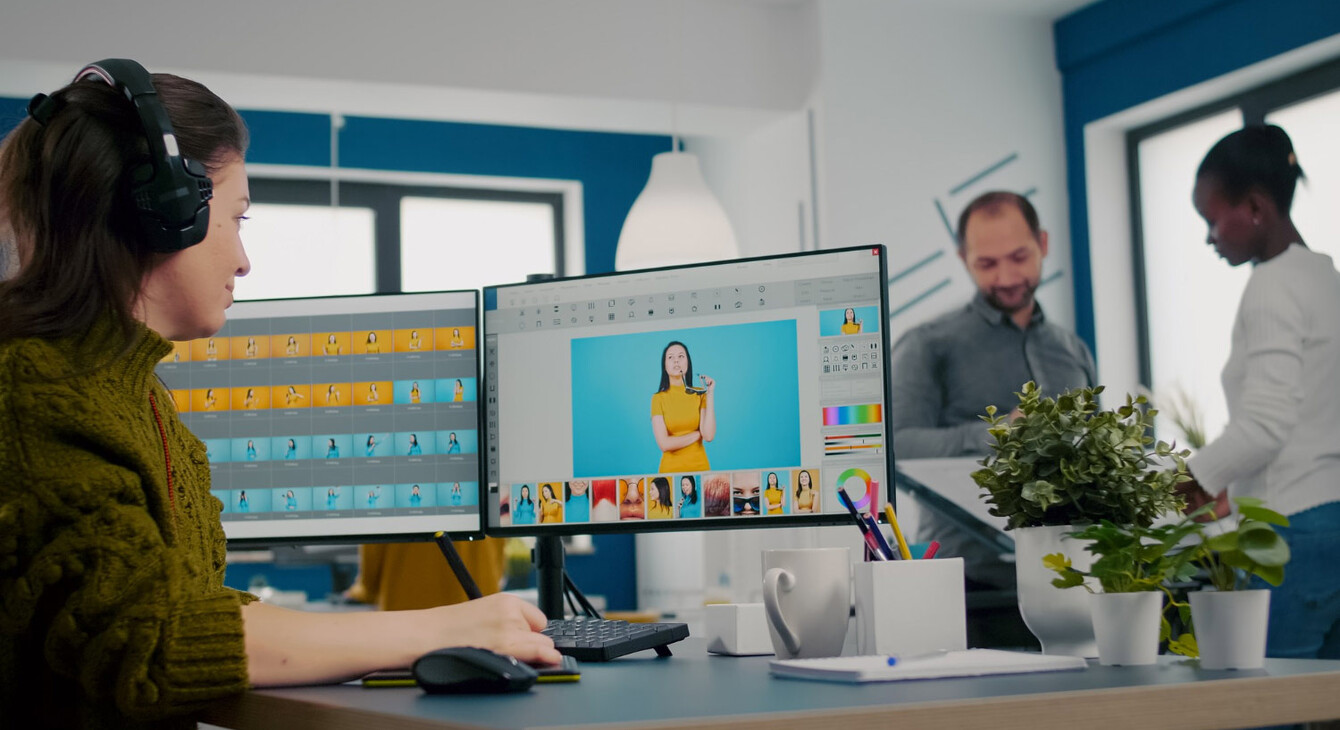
<point>1133,565</point>
<point>1230,620</point>
<point>1065,462</point>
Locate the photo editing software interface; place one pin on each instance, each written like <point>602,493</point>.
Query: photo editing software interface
<point>342,416</point>
<point>705,394</point>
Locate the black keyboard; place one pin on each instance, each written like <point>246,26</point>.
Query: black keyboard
<point>600,640</point>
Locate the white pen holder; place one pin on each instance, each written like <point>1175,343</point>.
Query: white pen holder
<point>910,606</point>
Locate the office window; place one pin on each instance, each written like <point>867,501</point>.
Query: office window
<point>458,243</point>
<point>1312,126</point>
<point>386,237</point>
<point>1189,296</point>
<point>307,251</point>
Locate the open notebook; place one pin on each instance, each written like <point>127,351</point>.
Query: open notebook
<point>968,663</point>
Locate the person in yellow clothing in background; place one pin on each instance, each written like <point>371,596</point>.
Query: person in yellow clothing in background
<point>415,575</point>
<point>683,417</point>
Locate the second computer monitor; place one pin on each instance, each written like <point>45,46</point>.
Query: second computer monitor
<point>739,394</point>
<point>338,419</point>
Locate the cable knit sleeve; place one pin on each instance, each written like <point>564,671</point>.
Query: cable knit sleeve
<point>1268,353</point>
<point>106,595</point>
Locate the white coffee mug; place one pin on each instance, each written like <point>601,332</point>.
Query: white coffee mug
<point>807,596</point>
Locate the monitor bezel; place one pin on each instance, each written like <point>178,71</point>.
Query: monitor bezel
<point>261,543</point>
<point>700,523</point>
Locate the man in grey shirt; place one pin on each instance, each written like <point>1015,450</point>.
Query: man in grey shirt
<point>947,371</point>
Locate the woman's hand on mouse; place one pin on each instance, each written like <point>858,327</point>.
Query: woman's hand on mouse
<point>500,622</point>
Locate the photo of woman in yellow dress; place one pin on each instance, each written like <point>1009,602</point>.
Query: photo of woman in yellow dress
<point>211,350</point>
<point>850,324</point>
<point>252,350</point>
<point>249,400</point>
<point>332,395</point>
<point>291,347</point>
<point>659,499</point>
<point>459,394</point>
<point>773,494</point>
<point>414,394</point>
<point>807,498</point>
<point>292,397</point>
<point>551,509</point>
<point>332,346</point>
<point>457,342</point>
<point>683,417</point>
<point>372,346</point>
<point>415,342</point>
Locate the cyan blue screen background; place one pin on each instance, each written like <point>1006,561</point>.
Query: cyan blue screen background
<point>757,397</point>
<point>426,389</point>
<point>467,438</point>
<point>830,320</point>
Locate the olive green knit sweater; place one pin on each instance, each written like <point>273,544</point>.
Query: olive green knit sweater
<point>113,611</point>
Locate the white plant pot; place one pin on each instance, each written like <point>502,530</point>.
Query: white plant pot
<point>1231,628</point>
<point>1059,618</point>
<point>1127,627</point>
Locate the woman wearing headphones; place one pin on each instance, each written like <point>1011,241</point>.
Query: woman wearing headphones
<point>121,495</point>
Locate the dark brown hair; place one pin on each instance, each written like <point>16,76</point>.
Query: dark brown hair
<point>1257,156</point>
<point>65,203</point>
<point>992,202</point>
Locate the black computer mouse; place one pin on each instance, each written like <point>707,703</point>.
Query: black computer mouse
<point>468,669</point>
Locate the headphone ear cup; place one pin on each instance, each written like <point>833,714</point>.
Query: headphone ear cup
<point>171,193</point>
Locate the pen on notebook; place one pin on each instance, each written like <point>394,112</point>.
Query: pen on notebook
<point>931,549</point>
<point>860,523</point>
<point>894,660</point>
<point>897,532</point>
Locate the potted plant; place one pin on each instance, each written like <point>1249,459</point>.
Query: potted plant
<point>1132,565</point>
<point>1230,620</point>
<point>1064,462</point>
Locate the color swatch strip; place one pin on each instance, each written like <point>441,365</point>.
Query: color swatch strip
<point>849,415</point>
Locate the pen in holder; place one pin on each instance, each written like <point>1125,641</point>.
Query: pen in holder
<point>910,606</point>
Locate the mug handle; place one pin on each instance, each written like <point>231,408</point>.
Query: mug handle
<point>774,579</point>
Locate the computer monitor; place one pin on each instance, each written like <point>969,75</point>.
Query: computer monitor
<point>730,395</point>
<point>338,419</point>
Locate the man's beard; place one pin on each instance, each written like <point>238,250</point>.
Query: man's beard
<point>1023,302</point>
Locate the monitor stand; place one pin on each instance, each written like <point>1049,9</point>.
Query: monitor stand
<point>550,580</point>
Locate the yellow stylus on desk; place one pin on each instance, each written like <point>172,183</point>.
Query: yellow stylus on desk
<point>897,532</point>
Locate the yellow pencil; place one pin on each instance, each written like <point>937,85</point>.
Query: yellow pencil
<point>897,532</point>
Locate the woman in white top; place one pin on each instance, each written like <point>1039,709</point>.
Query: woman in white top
<point>1282,382</point>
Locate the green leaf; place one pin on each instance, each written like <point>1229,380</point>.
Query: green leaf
<point>1272,574</point>
<point>1055,561</point>
<point>1262,514</point>
<point>1184,645</point>
<point>1263,546</point>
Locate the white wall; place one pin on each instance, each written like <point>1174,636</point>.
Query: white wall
<point>914,100</point>
<point>737,54</point>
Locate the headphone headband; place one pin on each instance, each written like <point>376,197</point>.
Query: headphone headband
<point>171,193</point>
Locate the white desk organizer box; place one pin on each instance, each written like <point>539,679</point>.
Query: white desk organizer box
<point>737,629</point>
<point>910,606</point>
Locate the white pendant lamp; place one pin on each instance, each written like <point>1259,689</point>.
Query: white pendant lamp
<point>676,219</point>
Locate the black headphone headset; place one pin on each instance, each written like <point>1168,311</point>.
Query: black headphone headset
<point>171,193</point>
